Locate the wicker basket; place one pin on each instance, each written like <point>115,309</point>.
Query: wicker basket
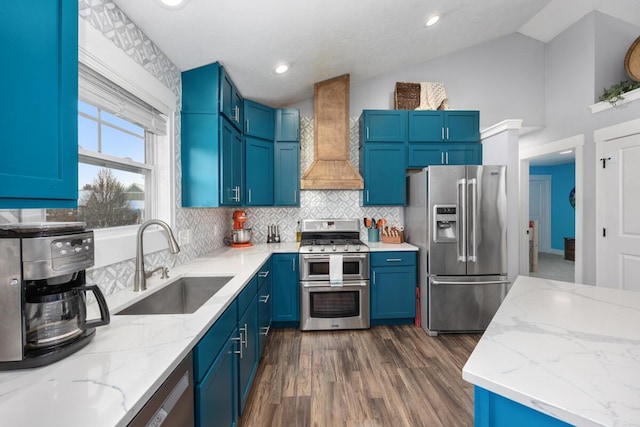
<point>407,96</point>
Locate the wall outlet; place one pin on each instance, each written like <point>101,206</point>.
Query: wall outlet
<point>184,237</point>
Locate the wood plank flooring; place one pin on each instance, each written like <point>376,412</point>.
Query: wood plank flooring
<point>385,376</point>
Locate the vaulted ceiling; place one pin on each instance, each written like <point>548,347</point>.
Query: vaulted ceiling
<point>325,38</point>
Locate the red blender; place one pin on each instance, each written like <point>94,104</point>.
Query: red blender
<point>240,236</point>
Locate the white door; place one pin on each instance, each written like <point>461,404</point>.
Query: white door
<point>540,208</point>
<point>619,240</point>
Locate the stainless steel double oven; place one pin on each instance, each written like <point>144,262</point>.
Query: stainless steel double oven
<point>334,276</point>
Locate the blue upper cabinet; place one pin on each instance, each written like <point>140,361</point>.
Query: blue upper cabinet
<point>200,160</point>
<point>201,89</point>
<point>383,170</point>
<point>231,165</point>
<point>383,125</point>
<point>259,172</point>
<point>287,174</point>
<point>422,155</point>
<point>444,126</point>
<point>288,124</point>
<point>259,120</point>
<point>231,102</point>
<point>39,163</point>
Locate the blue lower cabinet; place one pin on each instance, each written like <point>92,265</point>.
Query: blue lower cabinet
<point>265,310</point>
<point>493,410</point>
<point>216,402</point>
<point>248,363</point>
<point>393,287</point>
<point>286,289</point>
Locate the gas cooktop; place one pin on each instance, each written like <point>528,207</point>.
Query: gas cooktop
<point>331,235</point>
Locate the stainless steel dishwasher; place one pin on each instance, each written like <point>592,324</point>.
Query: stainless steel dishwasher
<point>172,404</point>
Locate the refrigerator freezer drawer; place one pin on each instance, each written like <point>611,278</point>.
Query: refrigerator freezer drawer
<point>464,304</point>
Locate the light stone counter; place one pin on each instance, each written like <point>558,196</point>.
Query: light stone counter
<point>570,351</point>
<point>381,247</point>
<point>107,382</point>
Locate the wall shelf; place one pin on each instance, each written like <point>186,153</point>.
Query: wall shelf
<point>630,96</point>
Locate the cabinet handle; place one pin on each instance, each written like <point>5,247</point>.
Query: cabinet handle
<point>245,335</point>
<point>447,157</point>
<point>247,126</point>
<point>237,114</point>
<point>394,259</point>
<point>265,330</point>
<point>367,128</point>
<point>237,193</point>
<point>295,196</point>
<point>263,274</point>
<point>374,277</point>
<point>264,298</point>
<point>298,133</point>
<point>447,134</point>
<point>240,342</point>
<point>442,158</point>
<point>367,196</point>
<point>293,264</point>
<point>249,195</point>
<point>442,133</point>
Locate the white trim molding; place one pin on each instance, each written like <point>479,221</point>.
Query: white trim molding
<point>501,127</point>
<point>628,97</point>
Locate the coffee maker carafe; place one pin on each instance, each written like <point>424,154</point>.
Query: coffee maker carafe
<point>42,293</point>
<point>240,236</point>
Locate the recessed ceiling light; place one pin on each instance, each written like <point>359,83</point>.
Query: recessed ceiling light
<point>281,68</point>
<point>432,20</point>
<point>172,4</point>
<point>566,152</point>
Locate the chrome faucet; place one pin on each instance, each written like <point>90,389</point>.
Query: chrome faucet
<point>140,278</point>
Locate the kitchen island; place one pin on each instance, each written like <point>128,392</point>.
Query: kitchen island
<point>109,381</point>
<point>558,353</point>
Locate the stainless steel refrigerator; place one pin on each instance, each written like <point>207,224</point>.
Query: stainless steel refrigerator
<point>457,216</point>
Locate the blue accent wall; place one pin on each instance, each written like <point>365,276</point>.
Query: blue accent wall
<point>563,216</point>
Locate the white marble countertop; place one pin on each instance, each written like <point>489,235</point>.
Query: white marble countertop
<point>107,382</point>
<point>381,247</point>
<point>570,351</point>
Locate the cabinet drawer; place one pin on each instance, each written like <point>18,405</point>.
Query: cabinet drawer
<point>247,294</point>
<point>209,346</point>
<point>381,259</point>
<point>263,273</point>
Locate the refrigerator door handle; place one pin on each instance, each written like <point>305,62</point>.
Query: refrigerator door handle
<point>488,282</point>
<point>473,248</point>
<point>462,220</point>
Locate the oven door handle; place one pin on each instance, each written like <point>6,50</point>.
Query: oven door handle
<point>335,285</point>
<point>326,257</point>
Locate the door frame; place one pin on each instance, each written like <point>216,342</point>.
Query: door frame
<point>601,136</point>
<point>576,143</point>
<point>546,214</point>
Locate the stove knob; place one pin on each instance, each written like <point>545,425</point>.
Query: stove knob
<point>346,248</point>
<point>310,248</point>
<point>357,247</point>
<point>58,245</point>
<point>333,248</point>
<point>322,248</point>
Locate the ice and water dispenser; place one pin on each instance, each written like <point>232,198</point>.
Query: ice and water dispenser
<point>445,224</point>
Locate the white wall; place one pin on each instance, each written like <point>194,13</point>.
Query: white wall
<point>503,78</point>
<point>573,72</point>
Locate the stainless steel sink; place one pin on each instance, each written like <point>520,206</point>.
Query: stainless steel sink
<point>185,295</point>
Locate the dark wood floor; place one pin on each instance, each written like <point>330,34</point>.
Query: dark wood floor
<point>384,376</point>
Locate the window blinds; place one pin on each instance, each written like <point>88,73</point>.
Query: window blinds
<point>97,90</point>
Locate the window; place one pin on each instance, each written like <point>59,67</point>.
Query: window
<point>116,138</point>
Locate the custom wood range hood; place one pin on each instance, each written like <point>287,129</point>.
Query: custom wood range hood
<point>331,168</point>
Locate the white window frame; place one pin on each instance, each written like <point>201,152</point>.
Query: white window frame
<point>118,244</point>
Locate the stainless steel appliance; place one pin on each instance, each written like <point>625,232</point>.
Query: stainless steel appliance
<point>334,275</point>
<point>42,293</point>
<point>457,216</point>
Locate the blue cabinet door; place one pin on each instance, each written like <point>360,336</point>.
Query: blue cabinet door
<point>426,126</point>
<point>258,120</point>
<point>422,155</point>
<point>286,288</point>
<point>463,154</point>
<point>200,159</point>
<point>393,293</point>
<point>259,172</point>
<point>383,125</point>
<point>287,174</point>
<point>231,102</point>
<point>39,86</point>
<point>230,165</point>
<point>462,126</point>
<point>201,89</point>
<point>383,167</point>
<point>287,124</point>
<point>215,396</point>
<point>248,363</point>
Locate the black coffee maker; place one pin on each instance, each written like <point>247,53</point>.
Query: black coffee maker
<point>43,289</point>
